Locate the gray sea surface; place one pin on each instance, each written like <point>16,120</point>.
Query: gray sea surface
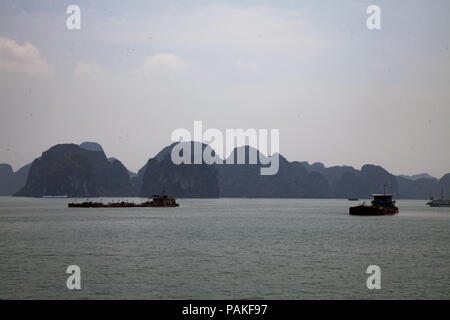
<point>222,249</point>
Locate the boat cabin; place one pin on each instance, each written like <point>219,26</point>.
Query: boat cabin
<point>163,201</point>
<point>384,200</point>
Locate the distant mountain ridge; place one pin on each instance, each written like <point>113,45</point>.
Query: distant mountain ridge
<point>68,169</point>
<point>11,181</point>
<point>85,171</point>
<point>296,180</point>
<point>347,181</point>
<point>91,146</point>
<point>184,180</point>
<point>291,181</point>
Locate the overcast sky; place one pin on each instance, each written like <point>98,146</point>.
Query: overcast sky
<point>136,71</point>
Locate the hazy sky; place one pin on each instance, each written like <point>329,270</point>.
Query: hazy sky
<point>137,70</point>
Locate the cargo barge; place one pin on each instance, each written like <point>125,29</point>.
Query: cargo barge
<point>382,205</point>
<point>157,201</point>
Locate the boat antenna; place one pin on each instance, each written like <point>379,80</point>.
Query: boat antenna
<point>384,189</point>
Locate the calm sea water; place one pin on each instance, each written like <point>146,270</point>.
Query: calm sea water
<point>222,249</point>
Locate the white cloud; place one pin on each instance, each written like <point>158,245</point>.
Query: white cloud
<point>87,68</point>
<point>22,58</point>
<point>162,62</point>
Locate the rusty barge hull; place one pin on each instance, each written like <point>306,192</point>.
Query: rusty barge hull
<point>127,205</point>
<point>363,210</point>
